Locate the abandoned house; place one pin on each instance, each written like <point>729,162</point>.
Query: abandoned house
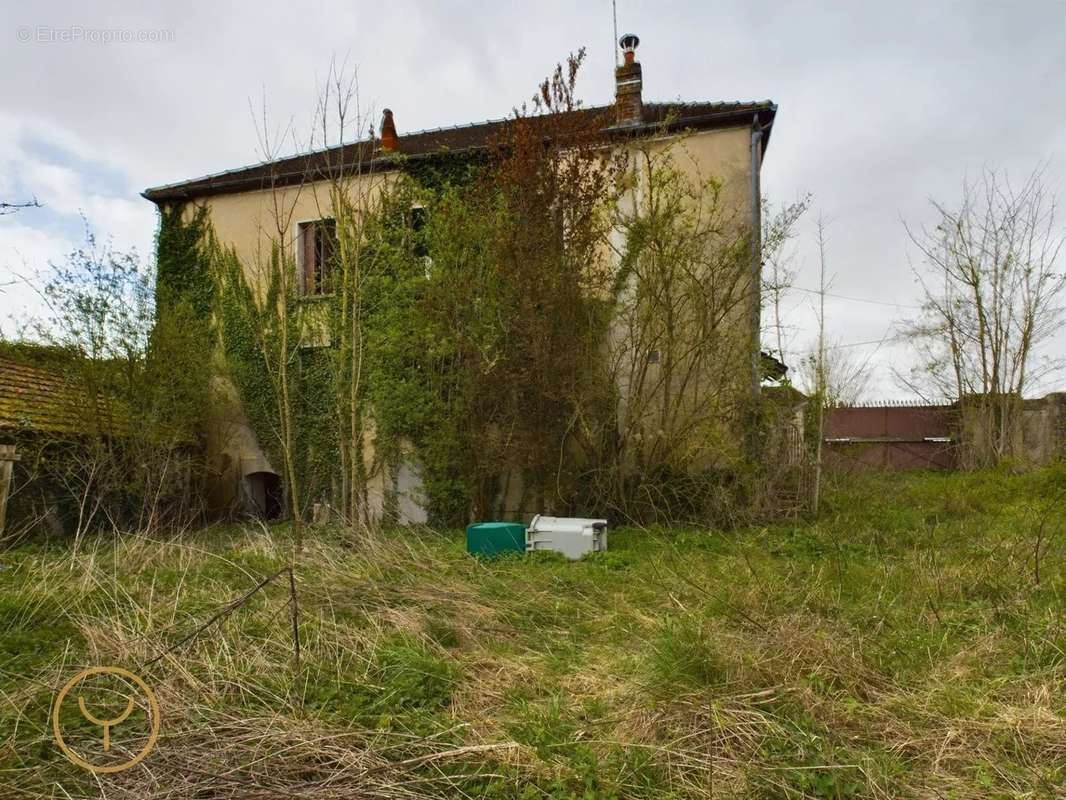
<point>725,139</point>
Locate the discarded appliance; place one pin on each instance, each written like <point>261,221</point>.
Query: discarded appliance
<point>571,536</point>
<point>493,538</point>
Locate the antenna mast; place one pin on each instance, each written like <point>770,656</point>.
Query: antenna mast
<point>614,14</point>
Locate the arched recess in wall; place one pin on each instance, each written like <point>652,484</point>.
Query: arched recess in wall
<point>265,494</point>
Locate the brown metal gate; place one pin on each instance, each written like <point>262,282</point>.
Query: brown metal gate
<point>891,437</point>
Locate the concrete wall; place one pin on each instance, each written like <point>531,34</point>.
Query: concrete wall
<point>1044,428</point>
<point>1034,432</point>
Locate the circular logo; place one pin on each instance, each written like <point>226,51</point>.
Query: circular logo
<point>106,723</point>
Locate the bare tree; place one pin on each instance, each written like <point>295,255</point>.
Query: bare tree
<point>275,334</point>
<point>841,372</point>
<point>778,229</point>
<point>991,290</point>
<point>677,346</point>
<point>819,368</point>
<point>355,193</point>
<point>303,314</point>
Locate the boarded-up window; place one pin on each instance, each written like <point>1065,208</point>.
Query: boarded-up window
<point>318,246</point>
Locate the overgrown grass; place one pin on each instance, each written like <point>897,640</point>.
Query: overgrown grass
<point>899,646</point>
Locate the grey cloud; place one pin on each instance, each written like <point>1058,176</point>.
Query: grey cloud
<point>882,105</point>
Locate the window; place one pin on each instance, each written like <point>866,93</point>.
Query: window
<point>317,248</point>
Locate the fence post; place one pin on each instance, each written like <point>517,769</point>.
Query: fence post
<point>8,457</point>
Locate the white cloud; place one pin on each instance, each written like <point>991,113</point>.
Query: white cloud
<point>25,255</point>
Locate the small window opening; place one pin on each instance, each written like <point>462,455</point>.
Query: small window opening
<point>318,247</point>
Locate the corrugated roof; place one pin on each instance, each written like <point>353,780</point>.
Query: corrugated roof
<point>438,141</point>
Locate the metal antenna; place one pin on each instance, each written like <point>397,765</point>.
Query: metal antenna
<point>614,14</point>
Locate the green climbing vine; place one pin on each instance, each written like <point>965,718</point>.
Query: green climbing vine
<point>182,271</point>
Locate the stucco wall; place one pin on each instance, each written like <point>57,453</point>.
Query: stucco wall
<point>706,410</point>
<point>253,222</point>
<point>249,221</point>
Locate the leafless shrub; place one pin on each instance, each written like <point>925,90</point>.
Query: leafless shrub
<point>992,287</point>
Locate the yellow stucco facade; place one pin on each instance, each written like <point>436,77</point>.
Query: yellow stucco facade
<point>248,221</point>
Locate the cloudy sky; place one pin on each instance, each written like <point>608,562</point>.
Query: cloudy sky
<point>882,106</point>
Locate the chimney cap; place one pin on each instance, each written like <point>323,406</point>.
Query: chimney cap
<point>629,42</point>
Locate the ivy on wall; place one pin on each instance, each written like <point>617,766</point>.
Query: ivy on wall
<point>182,270</point>
<point>417,383</point>
<point>438,172</point>
<point>413,369</point>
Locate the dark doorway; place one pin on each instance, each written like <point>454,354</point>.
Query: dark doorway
<point>266,494</point>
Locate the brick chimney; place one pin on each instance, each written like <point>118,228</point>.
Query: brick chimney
<point>389,139</point>
<point>628,105</point>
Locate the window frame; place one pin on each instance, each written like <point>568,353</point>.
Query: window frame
<point>301,226</point>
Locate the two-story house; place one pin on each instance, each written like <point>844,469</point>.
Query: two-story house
<point>725,139</point>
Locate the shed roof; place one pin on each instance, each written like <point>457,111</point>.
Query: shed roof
<point>45,398</point>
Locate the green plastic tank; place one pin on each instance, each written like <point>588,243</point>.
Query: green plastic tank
<point>493,538</point>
